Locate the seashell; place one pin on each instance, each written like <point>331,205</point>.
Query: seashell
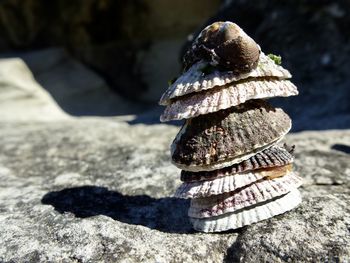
<point>249,215</point>
<point>240,55</point>
<point>226,45</point>
<point>205,42</point>
<point>230,136</point>
<point>274,156</point>
<point>194,80</point>
<point>255,193</point>
<point>228,183</point>
<point>224,97</point>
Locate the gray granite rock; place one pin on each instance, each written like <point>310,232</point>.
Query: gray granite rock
<point>22,98</point>
<point>93,190</point>
<point>133,44</point>
<point>317,231</point>
<point>76,89</point>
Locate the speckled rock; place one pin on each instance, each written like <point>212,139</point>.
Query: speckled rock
<point>317,231</point>
<point>93,190</point>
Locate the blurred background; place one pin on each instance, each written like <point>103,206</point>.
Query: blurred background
<point>113,58</point>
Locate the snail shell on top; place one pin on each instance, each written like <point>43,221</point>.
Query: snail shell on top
<point>226,45</point>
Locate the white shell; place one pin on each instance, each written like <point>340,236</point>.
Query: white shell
<point>255,193</point>
<point>225,97</point>
<point>220,185</point>
<point>194,81</point>
<point>250,215</point>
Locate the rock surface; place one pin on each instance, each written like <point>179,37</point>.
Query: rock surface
<point>133,44</point>
<point>94,190</point>
<point>77,89</point>
<point>21,97</point>
<point>50,85</point>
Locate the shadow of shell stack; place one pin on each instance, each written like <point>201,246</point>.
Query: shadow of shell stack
<point>233,168</point>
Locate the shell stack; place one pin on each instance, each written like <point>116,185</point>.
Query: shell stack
<point>233,169</point>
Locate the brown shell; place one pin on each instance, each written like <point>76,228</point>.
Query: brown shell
<point>240,54</point>
<point>215,34</point>
<point>224,44</point>
<point>208,38</point>
<point>274,156</point>
<point>220,139</point>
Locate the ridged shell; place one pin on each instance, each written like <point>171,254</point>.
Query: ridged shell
<point>224,97</point>
<point>194,80</point>
<point>224,44</point>
<point>255,193</point>
<point>249,215</point>
<point>228,183</point>
<point>226,137</point>
<point>269,158</point>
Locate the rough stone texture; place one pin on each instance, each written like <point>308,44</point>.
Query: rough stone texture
<point>94,190</point>
<point>317,231</point>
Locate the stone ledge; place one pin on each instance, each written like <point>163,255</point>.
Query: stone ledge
<point>93,190</point>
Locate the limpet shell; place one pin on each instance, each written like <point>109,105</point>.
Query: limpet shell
<point>224,97</point>
<point>230,136</point>
<point>249,215</point>
<point>194,80</point>
<point>228,183</point>
<point>255,193</point>
<point>226,45</point>
<point>240,55</point>
<point>269,158</point>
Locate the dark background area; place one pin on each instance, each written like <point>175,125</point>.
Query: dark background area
<point>135,47</point>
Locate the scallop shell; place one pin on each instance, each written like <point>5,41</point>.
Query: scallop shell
<point>255,193</point>
<point>194,80</point>
<point>269,158</point>
<point>249,215</point>
<point>224,44</point>
<point>226,137</point>
<point>225,97</point>
<point>228,183</point>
